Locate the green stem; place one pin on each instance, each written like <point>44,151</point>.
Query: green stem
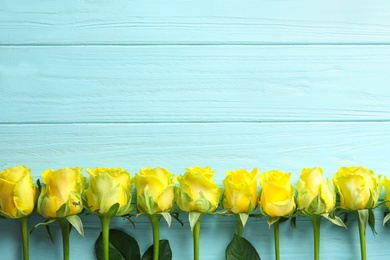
<point>276,240</point>
<point>316,220</point>
<point>239,225</point>
<point>105,221</point>
<point>155,220</point>
<point>24,225</point>
<point>196,232</point>
<point>362,236</point>
<point>65,229</point>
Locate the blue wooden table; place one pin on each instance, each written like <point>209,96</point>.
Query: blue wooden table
<point>229,84</point>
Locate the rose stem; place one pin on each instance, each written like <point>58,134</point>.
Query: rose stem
<point>276,238</point>
<point>155,220</point>
<point>65,229</point>
<point>362,235</point>
<point>105,221</point>
<point>24,225</point>
<point>316,220</point>
<point>239,225</point>
<point>196,232</point>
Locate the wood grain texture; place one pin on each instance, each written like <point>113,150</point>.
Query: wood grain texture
<point>194,84</point>
<point>268,84</point>
<point>200,22</point>
<point>289,147</point>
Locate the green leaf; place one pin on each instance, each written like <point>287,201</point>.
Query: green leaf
<point>241,249</point>
<point>165,252</point>
<point>75,221</point>
<point>121,246</point>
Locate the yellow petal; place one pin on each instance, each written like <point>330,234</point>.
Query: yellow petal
<point>353,192</point>
<point>153,183</point>
<point>7,203</point>
<point>25,194</point>
<point>165,200</point>
<point>48,207</point>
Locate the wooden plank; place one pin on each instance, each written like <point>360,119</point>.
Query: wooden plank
<point>194,84</point>
<point>200,22</point>
<point>289,147</point>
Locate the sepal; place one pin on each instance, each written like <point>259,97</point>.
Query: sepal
<point>46,224</point>
<point>371,220</point>
<point>146,203</point>
<point>64,210</point>
<point>363,217</point>
<point>203,204</point>
<point>244,218</point>
<point>272,220</point>
<point>335,220</point>
<point>386,218</point>
<point>112,211</point>
<point>75,221</point>
<point>167,217</point>
<point>193,217</point>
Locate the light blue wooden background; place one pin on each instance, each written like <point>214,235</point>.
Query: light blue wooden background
<point>229,84</point>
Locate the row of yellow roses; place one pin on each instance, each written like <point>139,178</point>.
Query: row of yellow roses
<point>64,191</point>
<point>109,193</point>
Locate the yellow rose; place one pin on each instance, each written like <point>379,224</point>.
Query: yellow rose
<point>315,194</point>
<point>198,191</point>
<point>240,194</point>
<point>386,184</point>
<point>277,194</point>
<point>18,193</point>
<point>359,187</point>
<point>63,186</point>
<point>107,187</point>
<point>155,190</point>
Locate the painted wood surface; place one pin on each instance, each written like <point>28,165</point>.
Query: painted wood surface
<point>222,146</point>
<point>268,84</point>
<point>194,84</point>
<point>194,22</point>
